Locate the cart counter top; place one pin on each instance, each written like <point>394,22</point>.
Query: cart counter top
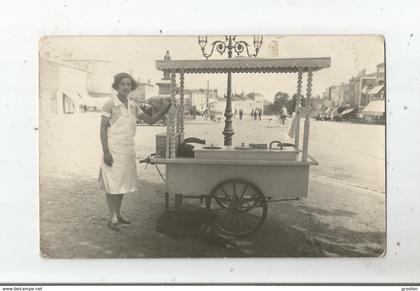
<point>234,162</point>
<point>245,153</point>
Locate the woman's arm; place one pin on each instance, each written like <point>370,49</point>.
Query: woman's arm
<point>104,141</point>
<point>153,119</point>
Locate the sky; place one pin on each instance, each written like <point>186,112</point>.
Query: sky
<point>137,55</point>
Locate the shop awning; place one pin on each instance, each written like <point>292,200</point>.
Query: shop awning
<point>347,111</point>
<point>244,65</point>
<point>72,94</point>
<point>375,90</point>
<point>86,99</point>
<point>375,108</point>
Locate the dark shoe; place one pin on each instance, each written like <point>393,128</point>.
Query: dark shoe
<point>113,225</point>
<point>121,220</point>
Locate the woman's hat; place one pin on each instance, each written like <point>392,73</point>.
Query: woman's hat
<point>120,76</point>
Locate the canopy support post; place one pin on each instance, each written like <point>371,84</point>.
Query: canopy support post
<point>171,138</point>
<point>181,109</point>
<point>297,109</point>
<point>307,114</point>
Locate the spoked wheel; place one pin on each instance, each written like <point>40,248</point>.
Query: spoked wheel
<point>240,207</point>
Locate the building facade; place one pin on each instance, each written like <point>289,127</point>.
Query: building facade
<point>335,95</point>
<point>142,92</point>
<point>359,90</point>
<point>63,88</point>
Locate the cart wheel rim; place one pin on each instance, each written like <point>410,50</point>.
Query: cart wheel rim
<point>240,207</point>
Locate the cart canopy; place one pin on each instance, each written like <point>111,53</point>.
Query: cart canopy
<point>244,65</point>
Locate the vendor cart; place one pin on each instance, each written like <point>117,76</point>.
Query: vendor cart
<point>236,183</point>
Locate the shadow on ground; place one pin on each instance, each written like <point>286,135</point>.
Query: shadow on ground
<point>73,216</point>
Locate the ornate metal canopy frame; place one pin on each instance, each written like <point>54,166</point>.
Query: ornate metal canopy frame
<point>175,128</point>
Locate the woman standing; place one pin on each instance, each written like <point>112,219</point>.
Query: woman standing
<point>118,172</point>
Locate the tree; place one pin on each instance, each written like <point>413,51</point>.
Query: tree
<point>280,99</point>
<point>269,109</point>
<point>292,103</point>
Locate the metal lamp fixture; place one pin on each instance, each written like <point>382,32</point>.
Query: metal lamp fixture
<point>202,41</point>
<point>258,40</point>
<point>230,44</point>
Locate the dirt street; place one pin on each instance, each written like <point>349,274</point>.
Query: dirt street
<point>344,214</point>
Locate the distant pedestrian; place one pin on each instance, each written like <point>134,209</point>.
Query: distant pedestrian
<point>241,113</point>
<point>252,113</point>
<point>255,114</point>
<point>283,115</point>
<point>259,114</point>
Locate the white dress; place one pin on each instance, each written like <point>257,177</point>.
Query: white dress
<point>121,177</point>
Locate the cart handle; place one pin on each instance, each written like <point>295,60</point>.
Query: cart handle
<point>195,140</point>
<point>147,160</point>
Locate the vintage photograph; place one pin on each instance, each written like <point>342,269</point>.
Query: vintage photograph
<point>212,146</point>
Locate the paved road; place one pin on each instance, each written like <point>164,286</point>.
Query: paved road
<point>344,214</point>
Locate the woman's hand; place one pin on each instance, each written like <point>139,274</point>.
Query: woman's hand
<point>153,119</point>
<point>108,159</point>
<point>166,110</point>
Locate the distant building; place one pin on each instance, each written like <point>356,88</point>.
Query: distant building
<point>243,102</point>
<point>345,95</point>
<point>63,88</point>
<point>258,101</point>
<point>340,95</point>
<point>198,98</point>
<point>362,84</point>
<point>99,75</point>
<point>380,74</point>
<point>335,95</point>
<point>378,92</point>
<point>359,94</point>
<point>355,93</point>
<point>326,93</point>
<point>375,109</point>
<point>142,92</point>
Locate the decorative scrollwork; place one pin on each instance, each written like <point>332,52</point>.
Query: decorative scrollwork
<point>230,44</point>
<point>221,47</point>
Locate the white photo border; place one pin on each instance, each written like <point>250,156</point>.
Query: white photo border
<point>23,23</point>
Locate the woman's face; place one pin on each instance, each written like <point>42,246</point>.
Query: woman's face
<point>124,87</point>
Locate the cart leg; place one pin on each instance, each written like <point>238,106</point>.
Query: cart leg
<point>166,201</point>
<point>207,199</point>
<point>202,204</point>
<point>178,200</point>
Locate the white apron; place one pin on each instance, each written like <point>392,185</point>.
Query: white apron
<point>121,177</point>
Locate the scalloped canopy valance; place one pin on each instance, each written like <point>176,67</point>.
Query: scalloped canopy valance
<point>244,65</point>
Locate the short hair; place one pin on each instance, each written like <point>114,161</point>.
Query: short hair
<point>118,78</point>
